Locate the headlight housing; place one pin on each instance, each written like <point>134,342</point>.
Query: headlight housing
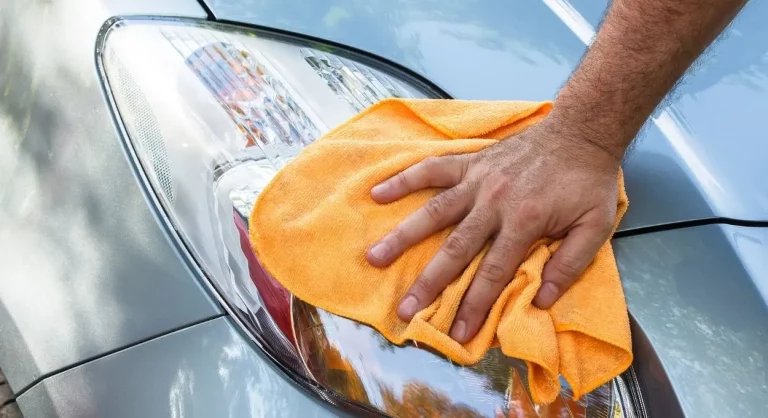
<point>209,113</point>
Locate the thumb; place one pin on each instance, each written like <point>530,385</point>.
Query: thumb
<point>571,258</point>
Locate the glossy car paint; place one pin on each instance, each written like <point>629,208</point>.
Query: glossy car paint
<point>700,156</point>
<point>85,269</point>
<point>699,297</point>
<point>207,370</point>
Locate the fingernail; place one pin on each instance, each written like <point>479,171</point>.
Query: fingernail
<point>380,251</point>
<point>458,331</point>
<point>408,307</point>
<point>380,188</point>
<point>547,294</point>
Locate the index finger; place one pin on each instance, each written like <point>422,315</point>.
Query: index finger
<point>444,171</point>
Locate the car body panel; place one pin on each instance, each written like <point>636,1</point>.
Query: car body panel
<point>207,370</point>
<point>86,269</point>
<point>697,159</point>
<point>84,266</point>
<point>699,295</point>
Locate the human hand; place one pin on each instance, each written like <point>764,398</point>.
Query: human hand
<point>544,182</point>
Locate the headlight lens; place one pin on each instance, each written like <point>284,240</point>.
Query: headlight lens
<point>210,113</point>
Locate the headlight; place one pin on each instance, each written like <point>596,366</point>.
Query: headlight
<point>210,113</point>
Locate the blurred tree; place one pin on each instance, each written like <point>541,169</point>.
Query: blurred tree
<point>329,366</point>
<point>495,367</point>
<point>342,377</point>
<point>419,400</point>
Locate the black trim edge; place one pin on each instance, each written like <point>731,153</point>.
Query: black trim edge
<point>689,224</point>
<point>367,57</point>
<point>208,12</point>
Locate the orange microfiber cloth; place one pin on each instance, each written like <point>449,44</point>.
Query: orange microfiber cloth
<point>313,223</point>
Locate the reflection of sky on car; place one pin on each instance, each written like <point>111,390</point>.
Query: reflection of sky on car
<point>394,368</point>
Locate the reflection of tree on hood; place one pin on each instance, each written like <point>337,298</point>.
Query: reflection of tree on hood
<point>495,368</point>
<point>488,366</point>
<point>339,374</point>
<point>419,400</point>
<point>342,377</point>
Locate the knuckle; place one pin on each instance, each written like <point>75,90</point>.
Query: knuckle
<point>402,179</point>
<point>423,286</point>
<point>567,268</point>
<point>456,246</point>
<point>460,161</point>
<point>529,209</point>
<point>507,246</point>
<point>473,185</point>
<point>399,234</point>
<point>529,213</point>
<point>605,226</point>
<point>466,161</point>
<point>451,196</point>
<point>493,272</point>
<point>475,157</point>
<point>471,308</point>
<point>483,214</point>
<point>435,208</point>
<point>431,163</point>
<point>497,187</point>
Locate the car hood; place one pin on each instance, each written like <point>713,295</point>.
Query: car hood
<point>701,156</point>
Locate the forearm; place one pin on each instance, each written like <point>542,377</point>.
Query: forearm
<point>640,52</point>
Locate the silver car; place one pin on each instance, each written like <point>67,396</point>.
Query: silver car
<point>135,136</point>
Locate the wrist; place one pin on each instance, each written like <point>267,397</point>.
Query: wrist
<point>576,141</point>
<point>592,125</point>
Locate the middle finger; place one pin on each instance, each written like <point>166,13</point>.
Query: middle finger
<point>453,257</point>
